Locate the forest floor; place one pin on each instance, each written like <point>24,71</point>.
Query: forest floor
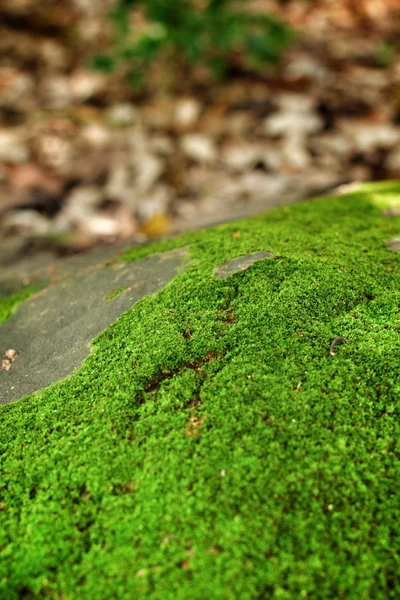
<point>86,160</point>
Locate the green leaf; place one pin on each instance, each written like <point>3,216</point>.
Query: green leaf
<point>208,34</point>
<point>136,78</point>
<point>120,18</point>
<point>104,63</point>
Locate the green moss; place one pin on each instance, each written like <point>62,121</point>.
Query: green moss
<point>210,446</point>
<point>116,292</point>
<point>10,303</point>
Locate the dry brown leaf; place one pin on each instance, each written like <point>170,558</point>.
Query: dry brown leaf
<point>5,364</point>
<point>199,147</point>
<point>31,176</point>
<point>159,224</point>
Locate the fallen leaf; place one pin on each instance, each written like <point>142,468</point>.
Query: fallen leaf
<point>5,364</point>
<point>10,354</point>
<point>157,225</point>
<point>199,147</point>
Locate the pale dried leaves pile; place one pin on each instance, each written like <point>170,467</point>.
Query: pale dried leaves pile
<point>82,157</point>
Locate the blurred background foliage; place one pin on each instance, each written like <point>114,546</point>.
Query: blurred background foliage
<point>213,33</point>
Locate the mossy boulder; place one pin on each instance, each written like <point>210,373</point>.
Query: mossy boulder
<point>207,444</point>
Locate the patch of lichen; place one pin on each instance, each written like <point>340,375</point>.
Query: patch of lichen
<point>210,446</point>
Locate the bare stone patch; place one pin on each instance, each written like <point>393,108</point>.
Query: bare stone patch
<point>241,263</point>
<point>51,332</point>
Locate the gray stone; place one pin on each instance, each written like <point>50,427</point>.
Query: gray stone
<point>19,268</point>
<point>52,330</point>
<point>240,263</point>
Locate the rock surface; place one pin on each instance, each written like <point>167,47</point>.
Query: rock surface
<point>52,331</point>
<point>239,264</point>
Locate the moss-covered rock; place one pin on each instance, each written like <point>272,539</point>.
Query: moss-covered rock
<point>210,446</point>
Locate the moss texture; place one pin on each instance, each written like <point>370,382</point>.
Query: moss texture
<point>8,304</point>
<point>210,446</point>
<point>116,292</point>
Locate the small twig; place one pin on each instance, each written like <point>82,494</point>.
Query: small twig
<point>337,340</point>
<point>188,332</point>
